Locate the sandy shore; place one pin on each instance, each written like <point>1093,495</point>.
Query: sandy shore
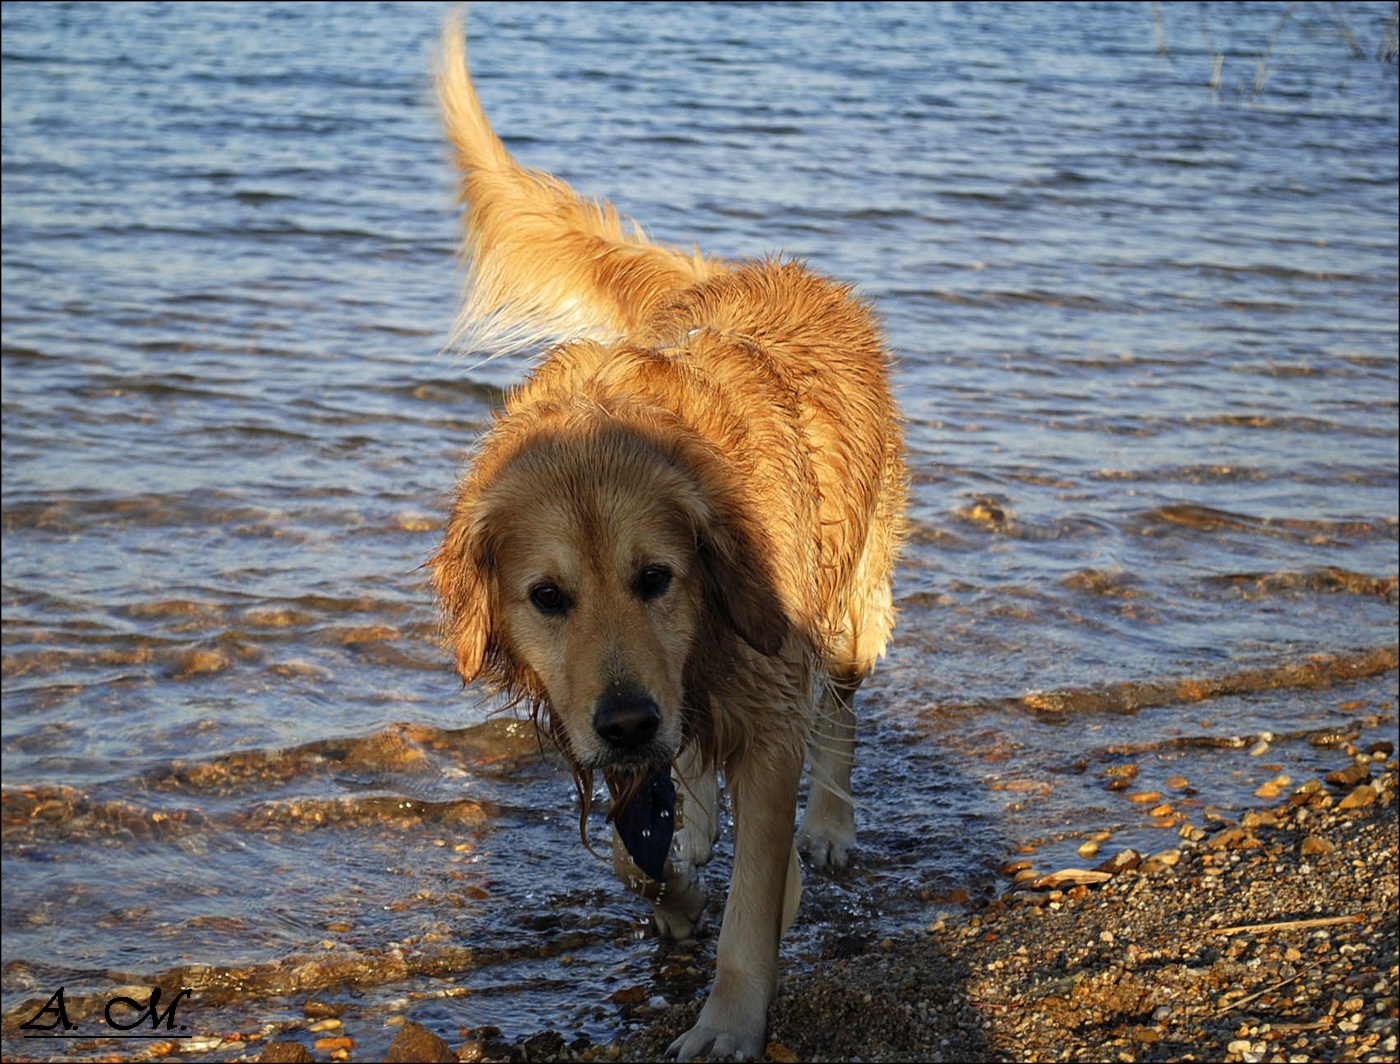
<point>1273,938</point>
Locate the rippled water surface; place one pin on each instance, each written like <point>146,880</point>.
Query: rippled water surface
<point>1147,330</point>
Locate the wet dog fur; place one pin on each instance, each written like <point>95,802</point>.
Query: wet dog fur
<point>676,543</point>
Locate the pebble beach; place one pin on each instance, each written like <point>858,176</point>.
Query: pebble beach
<point>1270,936</point>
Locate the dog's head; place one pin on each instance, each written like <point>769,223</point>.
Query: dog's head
<point>586,565</point>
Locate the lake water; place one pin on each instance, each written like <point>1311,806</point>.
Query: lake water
<point>1141,277</point>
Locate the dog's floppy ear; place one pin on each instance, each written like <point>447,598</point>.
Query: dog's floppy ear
<point>739,580</point>
<point>462,575</point>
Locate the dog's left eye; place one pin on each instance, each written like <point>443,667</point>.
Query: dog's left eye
<point>652,582</point>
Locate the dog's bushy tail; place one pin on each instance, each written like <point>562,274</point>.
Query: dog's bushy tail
<point>544,264</point>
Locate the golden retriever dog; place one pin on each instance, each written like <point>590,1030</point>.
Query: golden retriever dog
<point>676,543</point>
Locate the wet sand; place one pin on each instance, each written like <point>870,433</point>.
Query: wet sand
<point>1268,938</point>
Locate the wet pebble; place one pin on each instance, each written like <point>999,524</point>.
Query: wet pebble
<point>1315,846</point>
<point>277,617</point>
<point>1357,772</point>
<point>298,669</point>
<point>373,633</point>
<point>285,1052</point>
<point>1123,861</point>
<point>416,1043</point>
<point>1363,795</point>
<point>1068,877</point>
<point>193,663</point>
<point>1158,861</point>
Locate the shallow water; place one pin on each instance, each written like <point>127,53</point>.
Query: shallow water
<point>1147,330</point>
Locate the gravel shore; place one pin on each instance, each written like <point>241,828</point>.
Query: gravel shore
<point>1268,938</point>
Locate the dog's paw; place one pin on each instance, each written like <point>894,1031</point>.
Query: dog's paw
<point>826,841</point>
<point>676,913</point>
<point>830,854</point>
<point>702,1042</point>
<point>730,1027</point>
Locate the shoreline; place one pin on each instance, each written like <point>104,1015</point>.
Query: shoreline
<point>1273,938</point>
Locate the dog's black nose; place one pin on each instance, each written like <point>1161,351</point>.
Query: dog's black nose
<point>626,719</point>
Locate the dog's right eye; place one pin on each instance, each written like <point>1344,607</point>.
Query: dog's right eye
<point>547,598</point>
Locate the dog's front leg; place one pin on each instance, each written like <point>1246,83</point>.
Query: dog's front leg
<point>677,905</point>
<point>677,910</point>
<point>763,788</point>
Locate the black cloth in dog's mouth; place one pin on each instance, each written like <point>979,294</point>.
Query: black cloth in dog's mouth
<point>648,822</point>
